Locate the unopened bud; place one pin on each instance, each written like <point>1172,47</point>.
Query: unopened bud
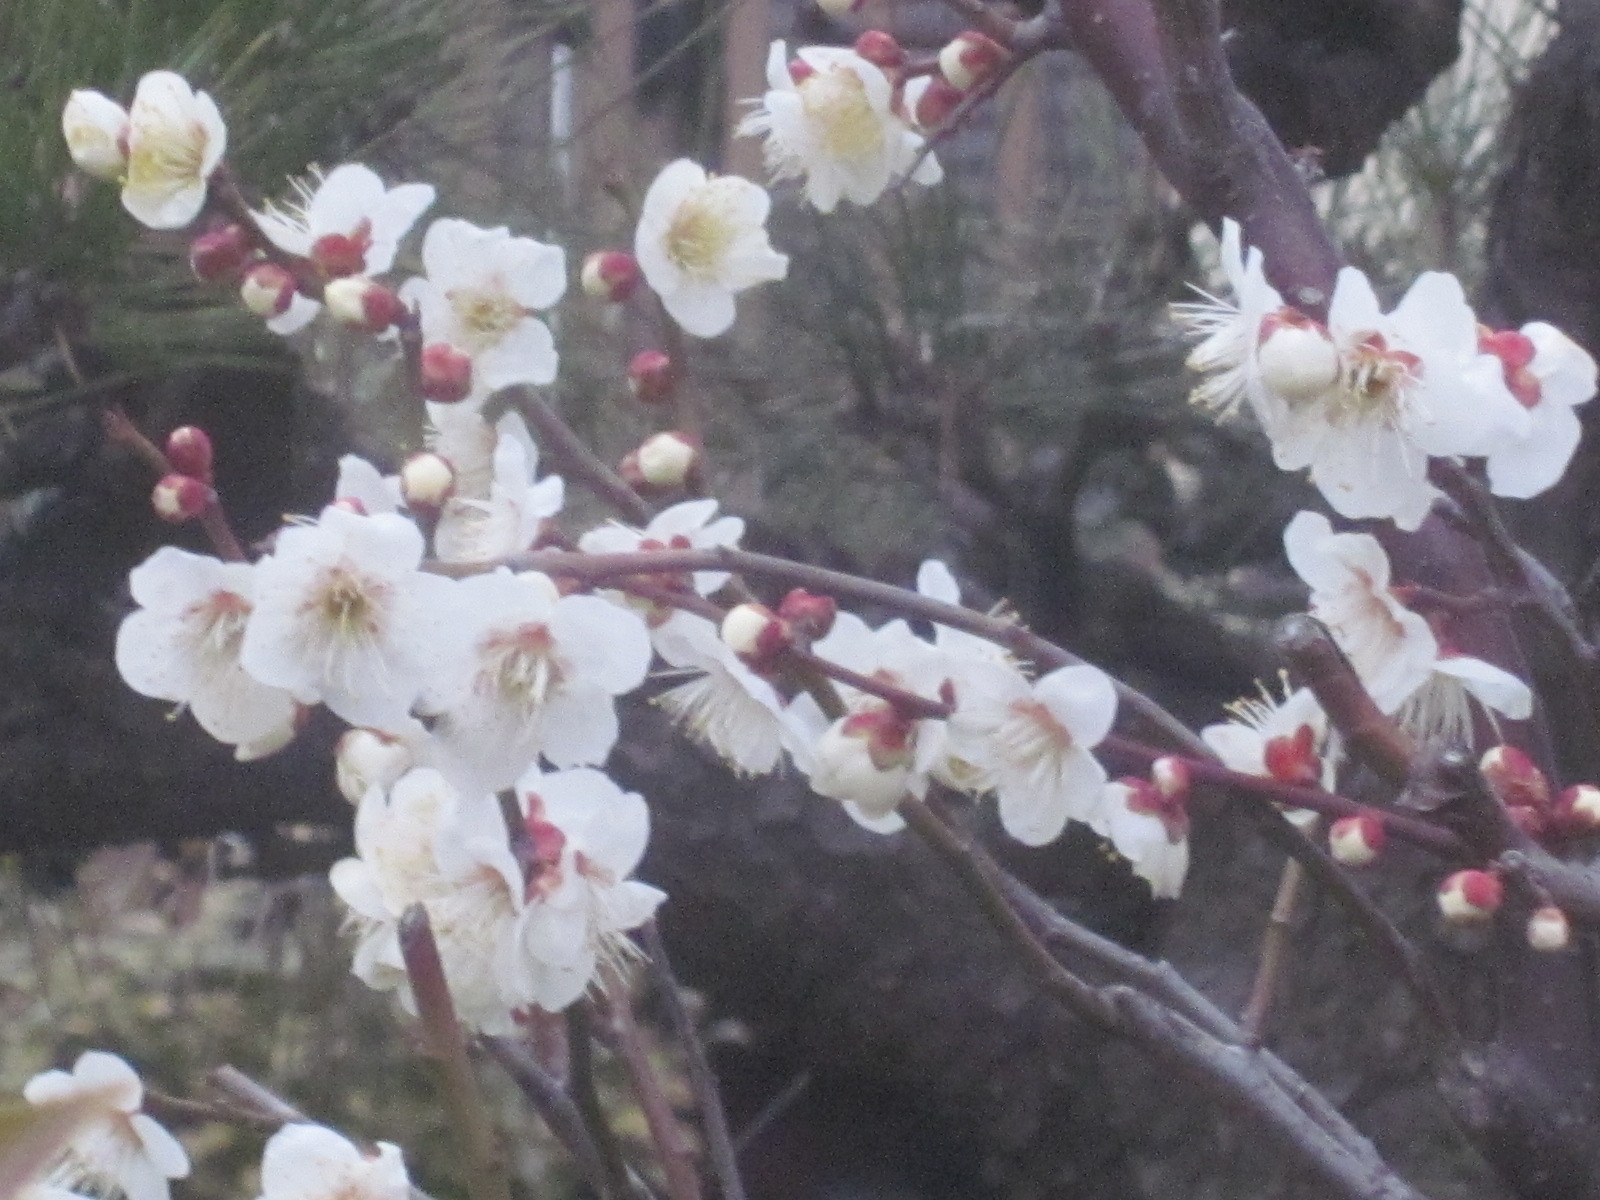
<point>809,615</point>
<point>969,59</point>
<point>612,275</point>
<point>839,9</point>
<point>865,758</point>
<point>339,254</point>
<point>1292,758</point>
<point>357,301</point>
<point>800,71</point>
<point>651,377</point>
<point>1171,777</point>
<point>754,632</point>
<point>427,480</point>
<point>933,104</point>
<point>667,460</point>
<point>1535,822</point>
<point>219,254</point>
<point>1512,777</point>
<point>446,374</point>
<point>880,49</point>
<point>1356,841</point>
<point>1298,361</point>
<point>179,498</point>
<point>189,451</point>
<point>96,129</point>
<point>1548,930</point>
<point>267,290</point>
<point>365,759</point>
<point>1579,807</point>
<point>1468,897</point>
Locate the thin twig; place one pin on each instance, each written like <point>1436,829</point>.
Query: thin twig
<point>1274,953</point>
<point>554,1105</point>
<point>702,1079</point>
<point>581,1086</point>
<point>672,1148</point>
<point>572,457</point>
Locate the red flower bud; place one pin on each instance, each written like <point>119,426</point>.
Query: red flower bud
<point>189,452</point>
<point>179,498</point>
<point>612,275</point>
<point>937,103</point>
<point>1356,841</point>
<point>1512,776</point>
<point>357,301</point>
<point>880,49</point>
<point>1471,896</point>
<point>970,59</point>
<point>446,374</point>
<point>651,377</point>
<point>811,616</point>
<point>267,290</point>
<point>219,254</point>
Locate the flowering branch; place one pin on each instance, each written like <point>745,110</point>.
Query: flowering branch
<point>121,429</point>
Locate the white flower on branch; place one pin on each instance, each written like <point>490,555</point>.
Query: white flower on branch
<point>349,224</point>
<point>1031,743</point>
<point>1288,740</point>
<point>829,119</point>
<point>700,239</point>
<point>480,294</point>
<point>96,129</point>
<point>344,617</point>
<point>691,525</point>
<point>176,139</point>
<point>124,1152</point>
<point>505,519</point>
<point>1230,332</point>
<point>1394,651</point>
<point>531,672</point>
<point>1549,374</point>
<point>310,1162</point>
<point>183,644</point>
<point>1148,830</point>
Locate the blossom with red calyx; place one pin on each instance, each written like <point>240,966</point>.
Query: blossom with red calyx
<point>971,58</point>
<point>1469,897</point>
<point>190,453</point>
<point>1356,841</point>
<point>220,253</point>
<point>611,275</point>
<point>930,102</point>
<point>180,498</point>
<point>1549,374</point>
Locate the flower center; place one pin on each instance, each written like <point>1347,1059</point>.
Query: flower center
<point>521,666</point>
<point>702,232</point>
<point>1031,733</point>
<point>166,154</point>
<point>1374,383</point>
<point>485,314</point>
<point>218,623</point>
<point>348,605</point>
<point>836,102</point>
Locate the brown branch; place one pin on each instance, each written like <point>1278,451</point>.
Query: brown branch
<point>573,458</point>
<point>556,1108</point>
<point>672,1148</point>
<point>580,1084</point>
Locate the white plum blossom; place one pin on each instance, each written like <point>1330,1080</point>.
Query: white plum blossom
<point>176,139</point>
<point>1412,384</point>
<point>1393,650</point>
<point>183,643</point>
<point>504,518</point>
<point>1230,332</point>
<point>479,296</point>
<point>123,1152</point>
<point>936,581</point>
<point>699,240</point>
<point>311,1162</point>
<point>369,487</point>
<point>723,704</point>
<point>343,616</point>
<point>690,525</point>
<point>588,836</point>
<point>1152,834</point>
<point>96,129</point>
<point>349,224</point>
<point>835,127</point>
<point>1549,374</point>
<point>1031,743</point>
<point>1288,740</point>
<point>531,672</point>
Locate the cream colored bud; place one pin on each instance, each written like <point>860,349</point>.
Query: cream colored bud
<point>1356,841</point>
<point>745,629</point>
<point>839,9</point>
<point>427,481</point>
<point>1298,363</point>
<point>667,459</point>
<point>365,759</point>
<point>1470,897</point>
<point>267,290</point>
<point>96,129</point>
<point>1548,930</point>
<point>969,59</point>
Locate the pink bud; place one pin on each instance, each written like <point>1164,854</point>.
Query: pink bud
<point>446,374</point>
<point>1356,841</point>
<point>1471,896</point>
<point>809,615</point>
<point>667,460</point>
<point>339,254</point>
<point>651,377</point>
<point>800,71</point>
<point>220,254</point>
<point>1578,808</point>
<point>1548,930</point>
<point>1292,758</point>
<point>937,103</point>
<point>612,275</point>
<point>427,480</point>
<point>880,49</point>
<point>970,58</point>
<point>189,452</point>
<point>267,290</point>
<point>179,498</point>
<point>1512,777</point>
<point>357,301</point>
<point>1171,777</point>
